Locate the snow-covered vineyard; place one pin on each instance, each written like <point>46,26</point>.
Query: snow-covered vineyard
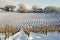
<point>33,36</point>
<point>32,19</point>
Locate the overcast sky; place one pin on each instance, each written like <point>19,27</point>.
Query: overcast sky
<point>29,3</point>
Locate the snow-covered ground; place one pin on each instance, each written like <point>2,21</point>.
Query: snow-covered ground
<point>2,37</point>
<point>19,19</point>
<point>30,19</point>
<point>35,36</point>
<point>49,36</point>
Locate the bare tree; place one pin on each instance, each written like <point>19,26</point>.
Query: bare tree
<point>9,7</point>
<point>2,8</point>
<point>12,7</point>
<point>6,8</point>
<point>51,9</point>
<point>22,8</point>
<point>35,7</point>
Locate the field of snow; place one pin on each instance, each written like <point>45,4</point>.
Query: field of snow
<point>19,19</point>
<point>49,36</point>
<point>36,36</point>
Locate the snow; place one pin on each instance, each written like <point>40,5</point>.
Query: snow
<point>20,36</point>
<point>49,36</point>
<point>33,36</point>
<point>30,19</point>
<point>2,37</point>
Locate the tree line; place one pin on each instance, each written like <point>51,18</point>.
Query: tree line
<point>34,9</point>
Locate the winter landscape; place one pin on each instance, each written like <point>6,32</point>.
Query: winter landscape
<point>29,19</point>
